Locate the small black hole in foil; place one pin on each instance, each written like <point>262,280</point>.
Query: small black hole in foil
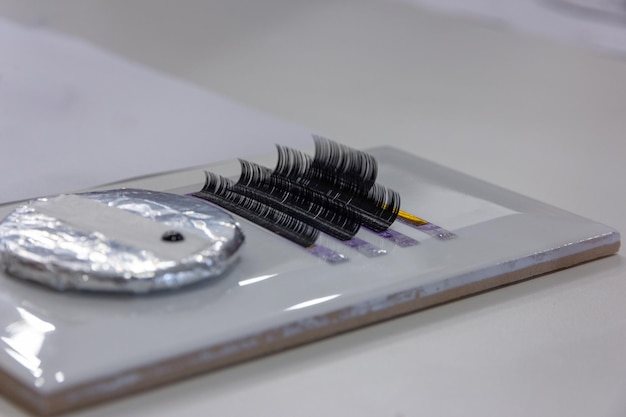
<point>172,236</point>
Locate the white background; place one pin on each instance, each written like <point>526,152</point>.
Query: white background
<point>537,116</point>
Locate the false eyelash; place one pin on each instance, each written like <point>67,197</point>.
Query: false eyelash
<point>377,210</point>
<point>301,168</point>
<point>292,163</point>
<point>377,207</point>
<point>219,190</point>
<point>302,203</point>
<point>340,161</point>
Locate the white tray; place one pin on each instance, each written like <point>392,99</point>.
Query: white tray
<point>61,351</point>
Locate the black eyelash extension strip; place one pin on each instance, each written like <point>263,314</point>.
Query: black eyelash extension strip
<point>257,182</point>
<point>380,207</point>
<point>359,167</point>
<point>302,203</point>
<point>345,176</point>
<point>332,159</point>
<point>377,207</point>
<point>218,190</point>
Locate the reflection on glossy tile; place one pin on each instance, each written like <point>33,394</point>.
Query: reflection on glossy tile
<point>312,302</point>
<point>255,279</point>
<point>24,339</point>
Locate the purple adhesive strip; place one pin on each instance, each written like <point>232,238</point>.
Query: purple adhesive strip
<point>398,238</point>
<point>364,247</point>
<point>327,254</point>
<point>436,231</point>
<point>431,229</point>
<point>427,227</point>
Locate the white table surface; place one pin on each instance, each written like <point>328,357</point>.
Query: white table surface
<point>539,117</point>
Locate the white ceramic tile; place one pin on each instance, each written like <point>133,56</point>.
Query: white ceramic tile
<point>73,343</point>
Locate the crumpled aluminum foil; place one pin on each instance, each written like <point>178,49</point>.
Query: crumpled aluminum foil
<point>37,246</point>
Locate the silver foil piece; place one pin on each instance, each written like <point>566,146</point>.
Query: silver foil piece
<point>84,242</point>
